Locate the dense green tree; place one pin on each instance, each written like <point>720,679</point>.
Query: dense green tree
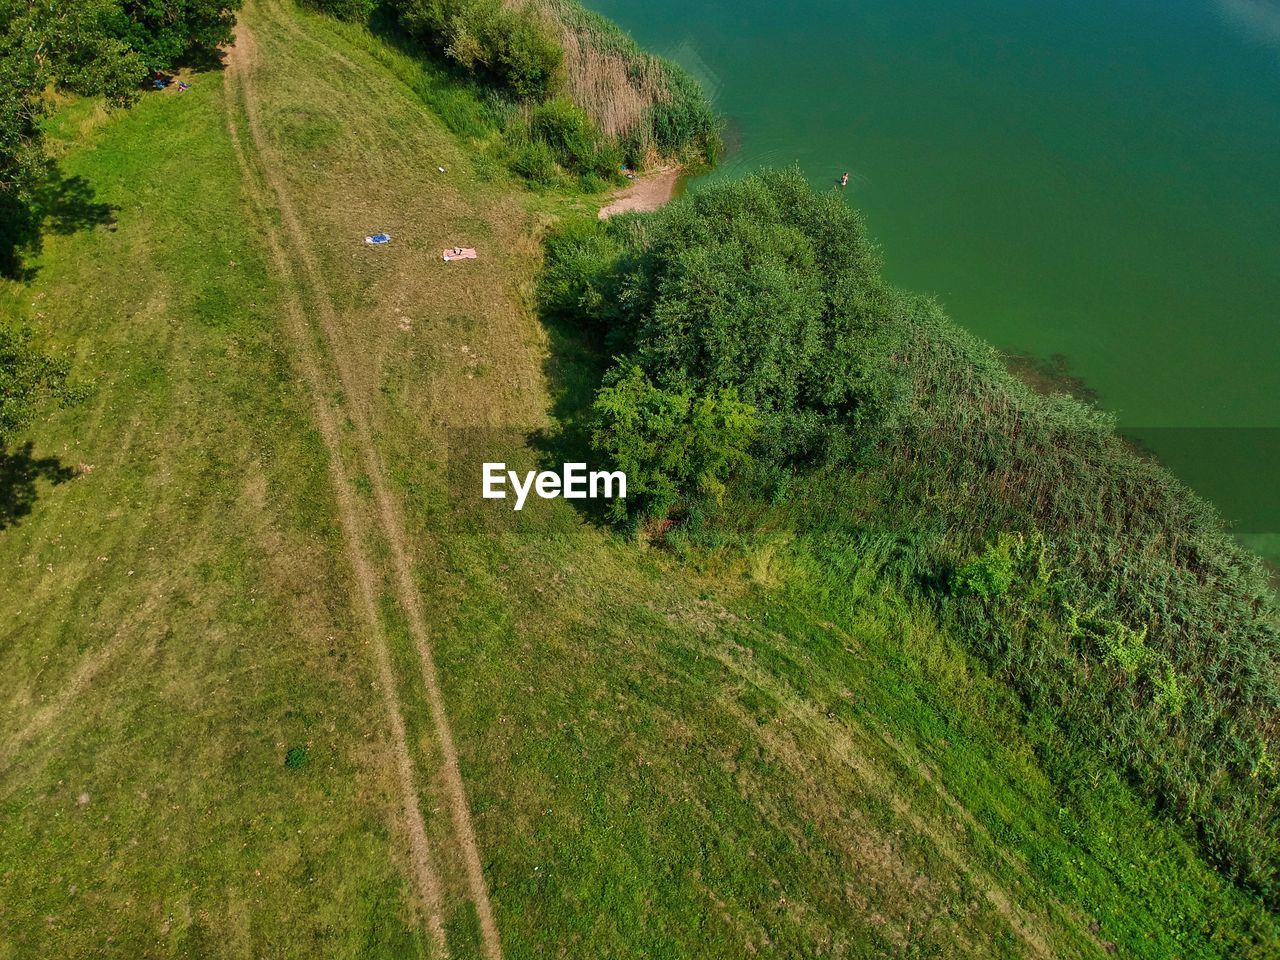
<point>168,32</point>
<point>511,45</point>
<point>671,443</point>
<point>761,286</point>
<point>68,44</point>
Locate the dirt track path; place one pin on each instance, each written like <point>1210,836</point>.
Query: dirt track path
<point>295,262</point>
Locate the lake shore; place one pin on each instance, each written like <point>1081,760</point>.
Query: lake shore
<point>647,192</point>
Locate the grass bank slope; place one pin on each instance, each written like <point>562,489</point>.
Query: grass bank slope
<point>173,620</point>
<point>721,754</point>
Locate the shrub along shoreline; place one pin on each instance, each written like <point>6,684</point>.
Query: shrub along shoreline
<point>571,98</point>
<point>764,368</point>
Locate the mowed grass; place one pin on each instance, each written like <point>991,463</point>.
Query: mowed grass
<point>173,620</point>
<point>711,752</point>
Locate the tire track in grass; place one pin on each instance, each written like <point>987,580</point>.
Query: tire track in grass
<point>89,666</point>
<point>391,520</point>
<point>238,86</point>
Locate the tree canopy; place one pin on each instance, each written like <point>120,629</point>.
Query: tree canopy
<point>760,286</point>
<point>27,376</point>
<point>168,32</point>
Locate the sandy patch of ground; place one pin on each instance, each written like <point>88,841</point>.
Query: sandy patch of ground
<point>647,192</point>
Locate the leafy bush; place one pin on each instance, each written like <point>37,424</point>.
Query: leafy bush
<point>554,141</point>
<point>526,55</point>
<point>761,286</point>
<point>581,277</point>
<point>511,46</point>
<point>573,138</point>
<point>535,161</point>
<point>28,377</point>
<point>669,442</point>
<point>169,32</point>
<point>295,758</point>
<point>988,575</point>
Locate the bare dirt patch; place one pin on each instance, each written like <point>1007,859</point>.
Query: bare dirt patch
<point>647,192</point>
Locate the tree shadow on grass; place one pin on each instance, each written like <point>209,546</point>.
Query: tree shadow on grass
<point>69,204</point>
<point>61,205</point>
<point>20,473</point>
<point>575,365</point>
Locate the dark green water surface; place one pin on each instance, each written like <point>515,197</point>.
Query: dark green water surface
<point>1097,180</point>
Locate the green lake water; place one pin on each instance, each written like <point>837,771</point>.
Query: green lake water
<point>1095,180</point>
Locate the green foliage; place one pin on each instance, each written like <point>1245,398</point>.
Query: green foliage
<point>670,443</point>
<point>295,758</point>
<point>536,162</point>
<point>526,57</point>
<point>69,44</point>
<point>1164,587</point>
<point>581,276</point>
<point>556,140</point>
<point>23,164</point>
<point>510,45</point>
<point>575,141</point>
<point>169,32</point>
<point>760,286</point>
<point>549,139</point>
<point>1125,647</point>
<point>684,121</point>
<point>1170,693</point>
<point>988,575</point>
<point>517,50</point>
<point>679,122</point>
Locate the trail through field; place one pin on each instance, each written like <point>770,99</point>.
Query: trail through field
<point>310,310</point>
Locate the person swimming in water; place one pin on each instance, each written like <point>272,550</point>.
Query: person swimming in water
<point>844,179</point>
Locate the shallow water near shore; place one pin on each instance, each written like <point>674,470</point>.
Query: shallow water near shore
<point>1096,181</point>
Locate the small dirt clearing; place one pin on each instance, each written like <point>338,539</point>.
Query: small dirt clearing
<point>647,192</point>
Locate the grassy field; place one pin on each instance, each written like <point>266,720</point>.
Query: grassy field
<point>256,536</point>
